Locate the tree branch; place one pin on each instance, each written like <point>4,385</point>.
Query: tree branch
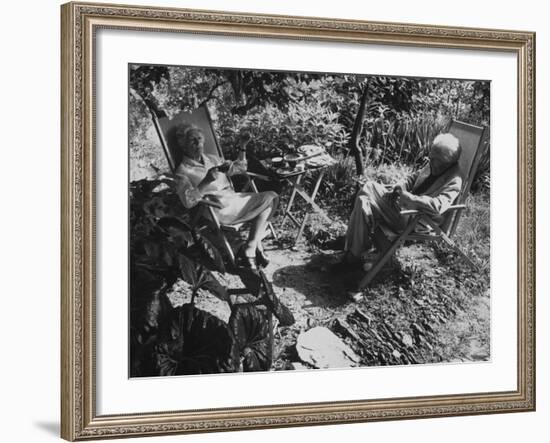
<point>353,144</point>
<point>210,95</point>
<point>150,101</point>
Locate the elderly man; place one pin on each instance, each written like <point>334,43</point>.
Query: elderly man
<point>431,190</point>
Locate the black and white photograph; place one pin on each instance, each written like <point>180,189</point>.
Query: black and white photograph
<point>285,221</point>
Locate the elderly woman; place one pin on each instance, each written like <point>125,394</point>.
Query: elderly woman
<point>431,190</point>
<point>201,175</point>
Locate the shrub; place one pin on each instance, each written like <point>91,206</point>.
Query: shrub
<point>165,340</point>
<point>277,130</point>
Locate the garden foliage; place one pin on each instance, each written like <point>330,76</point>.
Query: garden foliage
<point>281,111</point>
<point>285,110</point>
<point>165,340</point>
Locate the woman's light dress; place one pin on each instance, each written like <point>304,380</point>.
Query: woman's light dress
<point>237,207</point>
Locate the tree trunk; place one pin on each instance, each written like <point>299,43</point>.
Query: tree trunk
<point>353,144</point>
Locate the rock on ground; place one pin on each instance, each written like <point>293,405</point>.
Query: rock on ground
<point>322,349</point>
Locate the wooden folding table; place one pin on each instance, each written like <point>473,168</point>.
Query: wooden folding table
<point>294,179</point>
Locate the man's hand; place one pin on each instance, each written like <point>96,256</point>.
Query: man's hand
<point>407,200</point>
<point>394,196</point>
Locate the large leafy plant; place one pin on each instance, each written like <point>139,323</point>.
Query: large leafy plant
<point>251,329</point>
<point>198,343</point>
<point>164,247</point>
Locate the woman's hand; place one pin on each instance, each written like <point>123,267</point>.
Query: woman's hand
<point>224,167</point>
<point>212,175</point>
<point>244,139</point>
<point>168,179</point>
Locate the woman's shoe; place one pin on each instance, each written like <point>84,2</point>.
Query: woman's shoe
<point>261,259</point>
<point>244,261</point>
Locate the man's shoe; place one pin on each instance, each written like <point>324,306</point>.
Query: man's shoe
<point>355,296</point>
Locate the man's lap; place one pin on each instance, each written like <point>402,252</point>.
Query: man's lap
<point>384,210</point>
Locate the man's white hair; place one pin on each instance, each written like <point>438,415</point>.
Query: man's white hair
<point>449,143</point>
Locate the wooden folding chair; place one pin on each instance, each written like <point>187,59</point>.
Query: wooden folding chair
<point>473,140</point>
<point>200,117</point>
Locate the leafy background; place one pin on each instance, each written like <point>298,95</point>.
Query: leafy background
<point>285,110</point>
<point>380,127</point>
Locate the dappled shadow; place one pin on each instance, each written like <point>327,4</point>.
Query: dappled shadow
<point>315,281</point>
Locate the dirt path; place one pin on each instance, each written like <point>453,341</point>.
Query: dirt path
<point>429,309</point>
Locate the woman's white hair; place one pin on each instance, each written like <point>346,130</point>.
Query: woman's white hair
<point>184,131</point>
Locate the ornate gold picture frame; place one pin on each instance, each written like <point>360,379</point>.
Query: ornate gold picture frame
<point>80,23</point>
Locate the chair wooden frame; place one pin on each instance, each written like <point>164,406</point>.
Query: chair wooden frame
<point>436,232</point>
<point>205,211</point>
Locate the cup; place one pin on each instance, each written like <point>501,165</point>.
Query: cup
<point>277,162</point>
<point>292,160</point>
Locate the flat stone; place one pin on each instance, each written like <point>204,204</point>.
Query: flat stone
<point>297,366</point>
<point>322,349</point>
<point>407,340</point>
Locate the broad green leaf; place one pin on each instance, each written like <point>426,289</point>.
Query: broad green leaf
<point>209,282</point>
<point>200,344</point>
<point>250,327</point>
<point>209,255</point>
<point>188,270</point>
